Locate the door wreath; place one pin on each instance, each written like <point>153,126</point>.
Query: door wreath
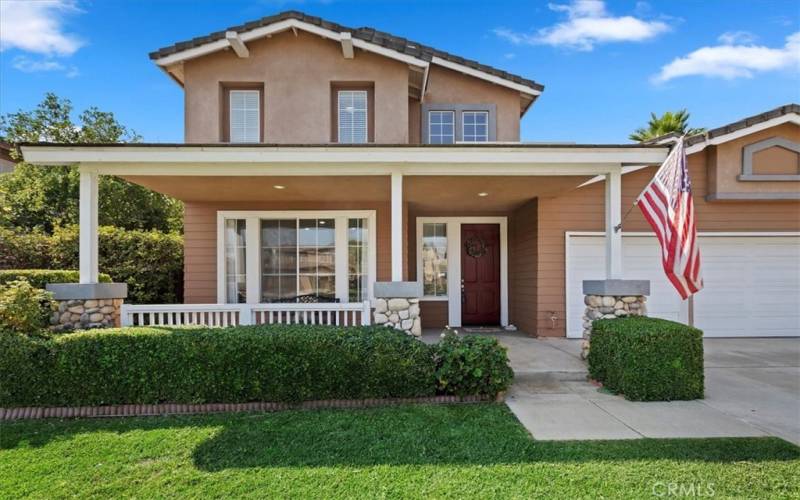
<point>475,246</point>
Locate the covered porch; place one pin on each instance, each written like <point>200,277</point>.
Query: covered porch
<point>321,234</point>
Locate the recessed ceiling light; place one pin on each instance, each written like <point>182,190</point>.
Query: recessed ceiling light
<point>278,186</point>
<point>483,193</point>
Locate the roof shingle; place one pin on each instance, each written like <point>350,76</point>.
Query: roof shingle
<point>367,34</point>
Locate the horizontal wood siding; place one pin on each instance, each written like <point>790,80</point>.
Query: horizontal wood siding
<point>434,313</point>
<point>583,210</point>
<point>522,262</point>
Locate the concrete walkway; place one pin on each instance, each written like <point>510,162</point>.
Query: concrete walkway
<point>752,389</point>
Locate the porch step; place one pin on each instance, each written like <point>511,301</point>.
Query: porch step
<point>545,376</point>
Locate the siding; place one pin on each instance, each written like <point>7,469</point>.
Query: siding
<point>522,263</point>
<point>583,210</point>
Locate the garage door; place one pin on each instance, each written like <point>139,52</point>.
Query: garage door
<point>752,283</point>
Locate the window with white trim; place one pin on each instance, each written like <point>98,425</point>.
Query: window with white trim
<point>244,115</point>
<point>235,261</point>
<point>475,126</point>
<point>353,116</point>
<point>441,127</point>
<point>318,257</point>
<point>434,259</point>
<point>357,256</point>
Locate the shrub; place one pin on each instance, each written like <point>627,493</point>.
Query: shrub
<point>40,278</point>
<point>24,308</point>
<point>647,359</point>
<point>472,365</point>
<point>20,250</point>
<point>196,365</point>
<point>150,262</point>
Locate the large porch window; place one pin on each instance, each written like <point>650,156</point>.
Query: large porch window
<point>296,256</point>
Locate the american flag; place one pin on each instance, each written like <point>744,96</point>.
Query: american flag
<point>668,206</point>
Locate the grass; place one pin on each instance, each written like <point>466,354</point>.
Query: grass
<point>412,451</point>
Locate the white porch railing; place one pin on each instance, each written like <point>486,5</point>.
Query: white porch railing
<point>220,315</point>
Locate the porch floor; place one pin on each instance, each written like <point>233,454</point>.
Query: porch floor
<point>553,400</point>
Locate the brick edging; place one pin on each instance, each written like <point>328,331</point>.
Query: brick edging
<point>25,413</point>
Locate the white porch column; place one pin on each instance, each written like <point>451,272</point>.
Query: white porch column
<point>88,226</point>
<point>397,227</point>
<point>613,218</point>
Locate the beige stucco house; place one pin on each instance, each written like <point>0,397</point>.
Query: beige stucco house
<point>335,174</point>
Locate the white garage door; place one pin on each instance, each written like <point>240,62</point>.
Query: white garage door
<point>752,283</point>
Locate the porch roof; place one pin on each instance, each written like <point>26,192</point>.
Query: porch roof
<point>345,159</point>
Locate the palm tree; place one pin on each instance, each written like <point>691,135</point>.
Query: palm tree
<point>668,122</point>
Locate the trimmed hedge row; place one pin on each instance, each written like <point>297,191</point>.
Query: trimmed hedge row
<point>40,278</point>
<point>647,359</point>
<point>150,262</point>
<point>231,365</point>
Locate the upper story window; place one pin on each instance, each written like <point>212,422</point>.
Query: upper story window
<point>448,123</point>
<point>441,127</point>
<point>475,126</point>
<point>353,113</point>
<point>243,113</point>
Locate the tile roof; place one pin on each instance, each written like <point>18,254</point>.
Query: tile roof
<point>367,34</point>
<point>731,127</point>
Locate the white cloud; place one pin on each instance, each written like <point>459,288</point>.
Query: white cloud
<point>736,37</point>
<point>588,24</point>
<point>730,61</point>
<point>37,26</point>
<point>28,65</point>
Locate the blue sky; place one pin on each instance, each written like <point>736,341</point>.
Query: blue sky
<point>605,65</point>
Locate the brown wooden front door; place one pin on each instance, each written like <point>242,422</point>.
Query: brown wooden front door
<point>480,274</point>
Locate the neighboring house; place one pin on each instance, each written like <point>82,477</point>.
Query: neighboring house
<point>323,163</point>
<point>6,161</point>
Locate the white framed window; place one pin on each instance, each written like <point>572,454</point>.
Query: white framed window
<point>434,259</point>
<point>235,255</point>
<point>244,115</point>
<point>299,256</point>
<point>352,116</point>
<point>441,127</point>
<point>475,126</point>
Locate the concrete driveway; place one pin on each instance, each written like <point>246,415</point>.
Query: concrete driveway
<point>752,389</point>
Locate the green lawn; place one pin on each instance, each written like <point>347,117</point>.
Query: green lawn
<point>412,451</point>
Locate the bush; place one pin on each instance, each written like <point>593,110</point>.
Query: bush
<point>21,250</point>
<point>150,262</point>
<point>24,308</point>
<point>198,365</point>
<point>647,359</point>
<point>472,365</point>
<point>40,278</point>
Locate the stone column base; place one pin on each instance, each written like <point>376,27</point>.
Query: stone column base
<point>611,299</point>
<point>397,306</point>
<point>84,306</point>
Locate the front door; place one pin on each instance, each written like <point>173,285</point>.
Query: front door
<point>480,274</point>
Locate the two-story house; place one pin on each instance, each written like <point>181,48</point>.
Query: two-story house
<point>325,166</point>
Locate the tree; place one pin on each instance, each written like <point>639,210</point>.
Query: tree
<point>668,122</point>
<point>42,198</point>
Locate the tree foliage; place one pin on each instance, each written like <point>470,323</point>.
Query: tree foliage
<point>669,122</point>
<point>42,198</point>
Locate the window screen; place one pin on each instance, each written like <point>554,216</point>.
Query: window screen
<point>475,126</point>
<point>352,113</point>
<point>441,127</point>
<point>245,116</point>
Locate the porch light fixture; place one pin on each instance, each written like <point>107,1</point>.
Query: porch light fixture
<point>483,194</point>
<point>278,186</point>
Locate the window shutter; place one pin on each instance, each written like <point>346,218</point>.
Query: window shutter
<point>353,116</point>
<point>245,116</point>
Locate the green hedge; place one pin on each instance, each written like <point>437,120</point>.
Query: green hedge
<point>230,365</point>
<point>472,365</point>
<point>39,278</point>
<point>647,359</point>
<point>150,262</point>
